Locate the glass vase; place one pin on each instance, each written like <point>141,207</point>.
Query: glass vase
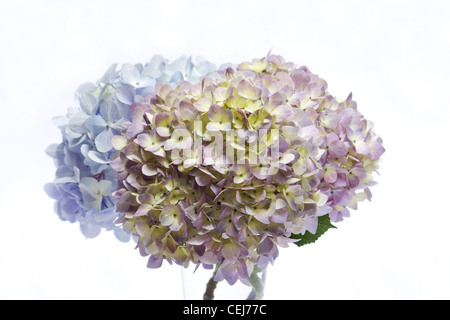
<point>200,285</point>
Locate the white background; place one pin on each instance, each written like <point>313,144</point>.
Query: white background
<point>393,55</point>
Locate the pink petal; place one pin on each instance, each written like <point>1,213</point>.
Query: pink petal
<point>376,150</point>
<point>353,181</point>
<point>362,148</point>
<point>134,130</point>
<point>169,214</point>
<point>161,121</point>
<point>202,180</point>
<point>283,113</point>
<point>331,121</point>
<point>163,131</point>
<point>149,170</point>
<point>170,144</point>
<point>337,149</point>
<point>265,246</point>
<point>301,79</point>
<point>280,216</point>
<point>246,90</point>
<point>228,272</point>
<point>154,262</point>
<point>198,240</point>
<point>142,228</point>
<point>216,114</point>
<point>261,215</point>
<point>231,251</point>
<point>186,143</point>
<point>144,140</point>
<point>143,210</point>
<point>213,126</point>
<point>342,197</point>
<point>330,174</point>
<point>188,111</point>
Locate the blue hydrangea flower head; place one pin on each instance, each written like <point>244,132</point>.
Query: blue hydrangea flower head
<point>84,180</point>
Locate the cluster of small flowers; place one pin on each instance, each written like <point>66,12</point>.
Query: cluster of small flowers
<point>223,171</point>
<point>84,179</point>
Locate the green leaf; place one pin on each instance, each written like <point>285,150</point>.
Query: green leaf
<point>323,225</point>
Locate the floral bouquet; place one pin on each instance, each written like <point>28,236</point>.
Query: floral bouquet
<point>215,167</point>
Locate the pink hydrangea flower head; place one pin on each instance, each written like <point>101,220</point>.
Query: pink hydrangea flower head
<point>227,170</point>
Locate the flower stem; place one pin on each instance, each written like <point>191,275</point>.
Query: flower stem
<point>211,286</point>
<point>257,283</point>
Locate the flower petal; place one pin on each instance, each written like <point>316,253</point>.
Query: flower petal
<point>231,251</point>
<point>118,142</point>
<point>188,111</point>
<point>149,170</point>
<point>125,93</point>
<point>246,90</point>
<point>52,191</point>
<point>213,126</point>
<point>169,214</point>
<point>143,210</point>
<point>130,74</point>
<point>217,114</point>
<point>90,230</point>
<point>155,262</point>
<point>283,113</point>
<point>103,140</point>
<point>105,187</point>
<point>163,123</point>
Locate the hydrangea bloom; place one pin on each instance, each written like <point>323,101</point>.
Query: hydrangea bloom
<point>224,171</point>
<point>84,178</point>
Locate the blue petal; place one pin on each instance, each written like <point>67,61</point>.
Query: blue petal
<point>146,82</point>
<point>95,124</point>
<point>155,67</point>
<point>64,180</point>
<point>130,74</point>
<point>110,74</point>
<point>224,66</point>
<point>182,64</point>
<point>90,230</point>
<point>176,77</point>
<point>106,216</point>
<point>77,122</point>
<point>122,235</point>
<point>204,67</point>
<point>88,103</point>
<point>52,191</point>
<point>98,157</point>
<point>60,121</point>
<point>145,91</point>
<point>125,93</point>
<point>89,189</point>
<point>87,87</point>
<point>63,215</point>
<point>70,207</point>
<point>103,140</point>
<point>74,139</point>
<point>124,110</point>
<point>119,125</point>
<point>55,151</point>
<point>67,210</point>
<point>72,191</point>
<point>108,111</point>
